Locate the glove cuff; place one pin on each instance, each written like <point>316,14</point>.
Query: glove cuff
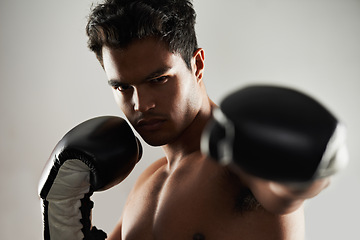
<point>67,206</point>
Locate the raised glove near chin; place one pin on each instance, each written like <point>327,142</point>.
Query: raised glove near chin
<point>93,156</point>
<point>277,134</point>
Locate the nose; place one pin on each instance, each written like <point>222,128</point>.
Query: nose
<point>143,100</point>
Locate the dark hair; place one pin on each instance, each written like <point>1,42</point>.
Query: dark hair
<point>116,23</point>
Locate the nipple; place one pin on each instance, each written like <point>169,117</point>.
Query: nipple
<point>198,236</point>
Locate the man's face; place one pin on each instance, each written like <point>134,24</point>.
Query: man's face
<point>154,88</point>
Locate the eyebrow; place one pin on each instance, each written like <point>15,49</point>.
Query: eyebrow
<point>156,73</point>
<point>114,83</point>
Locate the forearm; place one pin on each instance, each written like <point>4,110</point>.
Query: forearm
<point>299,191</point>
<point>116,233</point>
<point>290,197</point>
<point>281,198</point>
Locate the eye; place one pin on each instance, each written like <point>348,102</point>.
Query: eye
<point>159,80</point>
<point>119,86</point>
<point>122,87</point>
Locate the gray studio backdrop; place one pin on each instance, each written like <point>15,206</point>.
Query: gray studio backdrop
<point>50,82</point>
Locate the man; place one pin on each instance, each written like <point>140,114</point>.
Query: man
<point>149,52</point>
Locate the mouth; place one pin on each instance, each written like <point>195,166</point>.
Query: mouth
<point>149,124</point>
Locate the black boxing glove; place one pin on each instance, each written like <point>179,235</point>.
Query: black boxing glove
<point>94,156</point>
<point>277,134</point>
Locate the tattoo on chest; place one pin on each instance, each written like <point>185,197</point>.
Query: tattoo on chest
<point>198,236</point>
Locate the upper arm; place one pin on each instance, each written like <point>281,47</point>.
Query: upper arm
<point>116,233</point>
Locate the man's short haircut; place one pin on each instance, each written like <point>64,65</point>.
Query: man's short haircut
<point>117,23</point>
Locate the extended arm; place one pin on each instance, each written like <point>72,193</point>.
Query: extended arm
<point>281,198</point>
<point>283,144</point>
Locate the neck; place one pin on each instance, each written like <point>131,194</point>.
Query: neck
<point>189,142</point>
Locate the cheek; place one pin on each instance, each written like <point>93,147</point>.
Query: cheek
<point>187,99</point>
<point>121,102</point>
<point>118,98</point>
<point>175,98</point>
<point>191,92</point>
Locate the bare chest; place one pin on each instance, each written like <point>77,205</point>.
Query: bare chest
<point>193,204</point>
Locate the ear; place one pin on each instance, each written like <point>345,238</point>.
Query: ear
<point>199,63</point>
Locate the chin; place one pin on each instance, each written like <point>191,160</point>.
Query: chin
<point>155,142</point>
